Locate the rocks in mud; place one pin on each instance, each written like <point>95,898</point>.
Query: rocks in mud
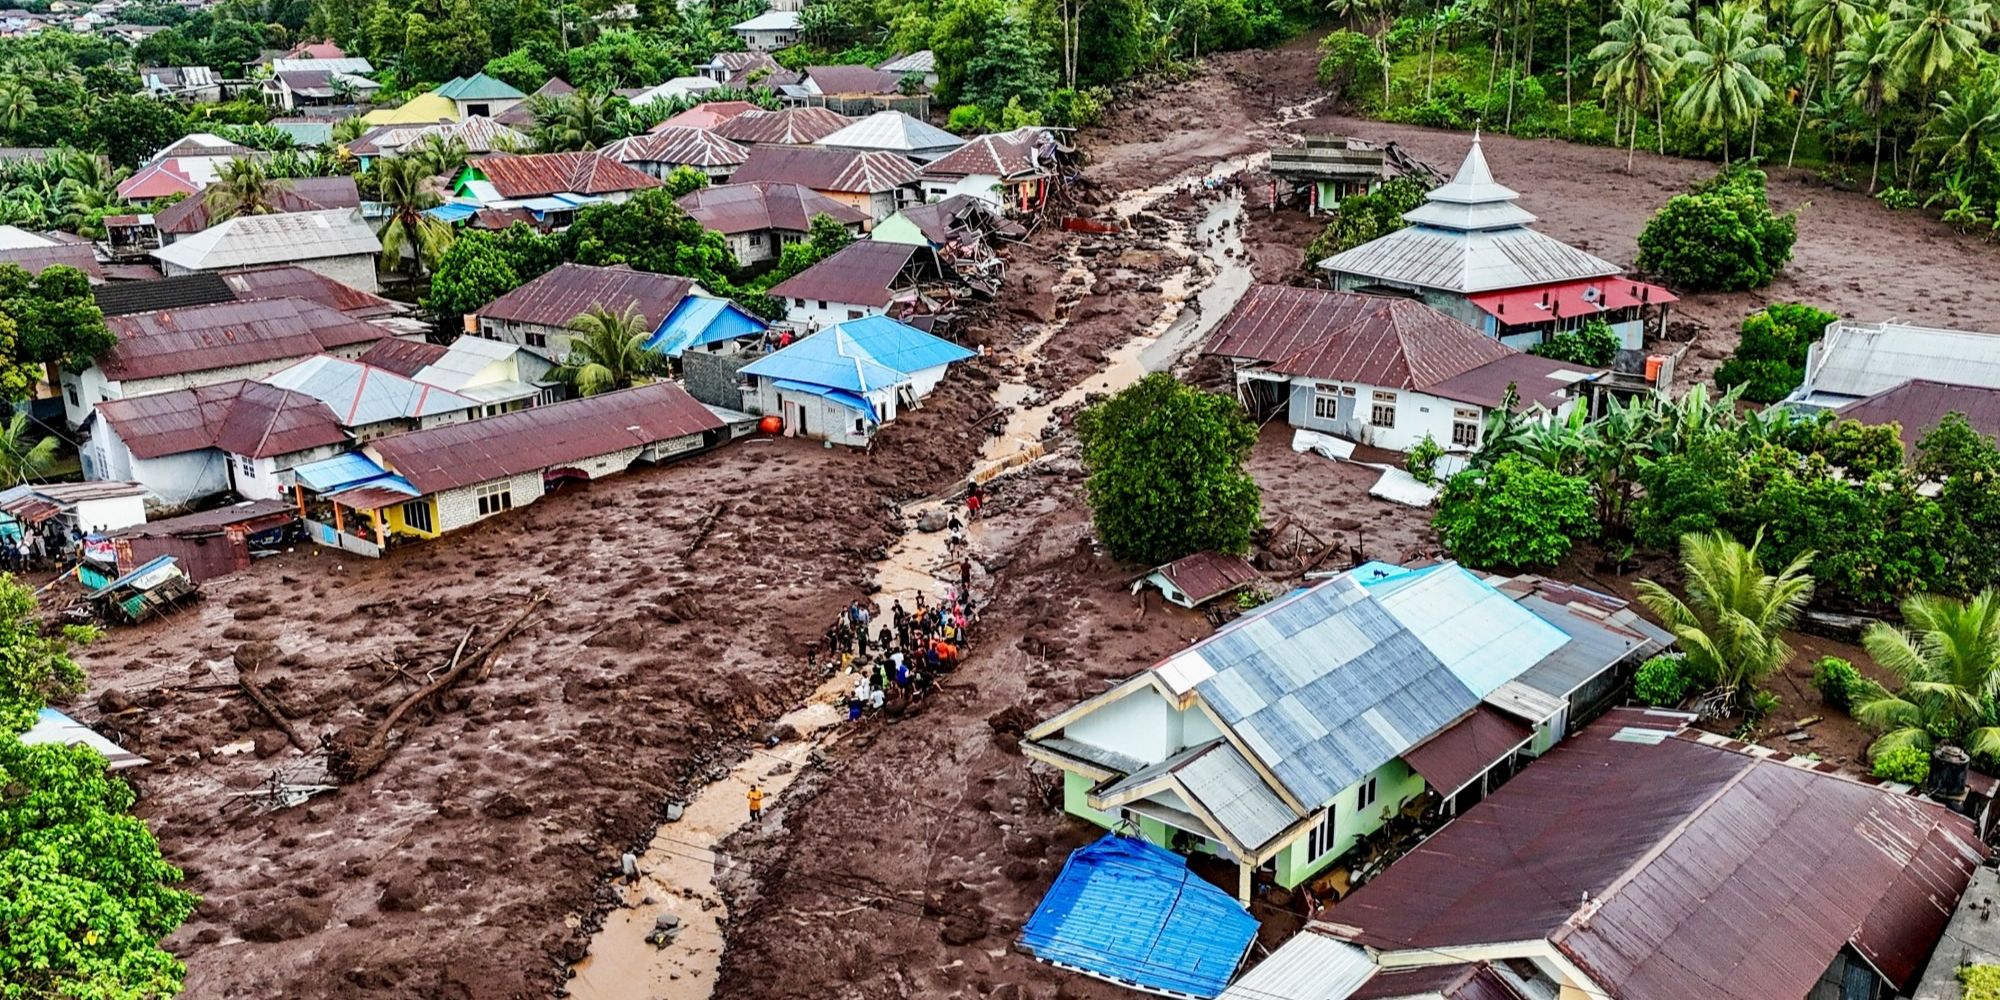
<point>932,521</point>
<point>506,805</point>
<point>402,894</point>
<point>113,701</point>
<point>287,919</point>
<point>270,743</point>
<point>666,927</point>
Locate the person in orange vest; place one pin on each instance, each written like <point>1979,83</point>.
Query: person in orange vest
<point>756,804</point>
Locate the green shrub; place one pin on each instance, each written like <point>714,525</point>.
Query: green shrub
<point>1837,681</point>
<point>1722,236</point>
<point>1762,704</point>
<point>966,119</point>
<point>1364,217</point>
<point>1770,359</point>
<point>1897,198</point>
<point>1348,62</point>
<point>1594,345</point>
<point>1981,982</point>
<point>1423,460</point>
<point>1909,765</point>
<point>1663,681</point>
<point>1514,513</point>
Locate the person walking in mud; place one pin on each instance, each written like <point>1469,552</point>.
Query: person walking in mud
<point>756,803</point>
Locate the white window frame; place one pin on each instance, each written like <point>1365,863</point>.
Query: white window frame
<point>1381,404</point>
<point>492,498</point>
<point>423,507</point>
<point>246,466</point>
<point>1326,401</point>
<point>1319,839</point>
<point>1465,420</point>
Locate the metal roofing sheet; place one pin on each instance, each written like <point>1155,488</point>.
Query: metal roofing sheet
<point>1918,405</point>
<point>1595,646</point>
<point>899,345</point>
<point>209,522</point>
<point>360,394</point>
<point>1130,912</point>
<point>1463,751</point>
<point>746,208</point>
<point>477,87</point>
<point>558,297</point>
<point>1449,260</point>
<point>894,132</point>
<point>1357,688</point>
<point>543,437</point>
<point>536,174</point>
<point>1462,981</point>
<point>404,357</point>
<point>226,334</point>
<point>852,400</point>
<point>828,358</point>
<point>248,240</point>
<point>863,273</point>
<point>304,284</point>
<point>791,126</point>
<point>1855,360</point>
<point>1005,155</point>
<point>339,472</point>
<point>852,80</point>
<point>54,728</point>
<point>920,61</point>
<point>1310,965</point>
<point>1481,634</point>
<point>1570,299</point>
<point>1349,337</point>
<point>1224,784</point>
<point>701,320</point>
<point>822,169</point>
<point>1537,381</point>
<point>1205,576</point>
<point>35,260</point>
<point>1676,868</point>
<point>678,147</point>
<point>299,194</point>
<point>388,492</point>
<point>707,115</point>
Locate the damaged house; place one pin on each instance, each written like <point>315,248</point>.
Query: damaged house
<point>866,278</point>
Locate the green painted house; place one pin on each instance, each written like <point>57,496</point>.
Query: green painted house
<point>1294,732</point>
<point>480,95</point>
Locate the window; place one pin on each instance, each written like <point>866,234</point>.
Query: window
<point>822,303</point>
<point>854,314</point>
<point>801,303</point>
<point>494,498</point>
<point>417,515</point>
<point>1326,402</point>
<point>246,466</point>
<point>1365,795</point>
<point>1465,428</point>
<point>480,110</point>
<point>536,339</point>
<point>1383,413</point>
<point>71,390</point>
<point>1319,839</point>
<point>757,240</point>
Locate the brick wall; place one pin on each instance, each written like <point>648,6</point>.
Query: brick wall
<point>712,378</point>
<point>460,507</point>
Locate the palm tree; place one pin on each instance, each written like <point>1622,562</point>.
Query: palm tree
<point>441,155</point>
<point>1733,620</point>
<point>1933,35</point>
<point>1965,128</point>
<point>17,102</point>
<point>399,185</point>
<point>1870,74</point>
<point>1640,50</point>
<point>1949,665</point>
<point>1726,92</point>
<point>20,459</point>
<point>1823,27</point>
<point>583,120</point>
<point>243,188</point>
<point>609,351</point>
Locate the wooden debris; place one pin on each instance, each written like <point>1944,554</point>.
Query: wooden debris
<point>247,679</point>
<point>702,530</point>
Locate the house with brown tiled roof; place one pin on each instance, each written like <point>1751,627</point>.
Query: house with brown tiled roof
<point>551,186</point>
<point>789,127</point>
<point>759,218</point>
<point>1008,169</point>
<point>660,151</point>
<point>1382,370</point>
<point>187,444</point>
<point>537,314</point>
<point>874,182</point>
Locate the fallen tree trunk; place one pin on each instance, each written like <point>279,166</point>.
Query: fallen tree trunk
<point>702,530</point>
<point>349,761</point>
<point>270,708</point>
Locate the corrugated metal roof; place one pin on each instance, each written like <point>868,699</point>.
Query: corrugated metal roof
<point>746,208</point>
<point>1002,154</point>
<point>1367,339</point>
<point>300,194</point>
<point>1205,576</point>
<point>342,471</point>
<point>538,174</point>
<point>791,126</point>
<point>894,132</point>
<point>706,115</point>
<point>1130,912</point>
<point>1537,381</point>
<point>305,285</point>
<point>1595,645</point>
<point>559,296</point>
<point>770,20</point>
<point>523,114</point>
<point>1222,782</point>
<point>543,437</point>
<point>360,395</point>
<point>209,522</point>
<point>852,80</point>
<point>1458,755</point>
<point>864,273</point>
<point>1855,360</point>
<point>700,320</point>
<point>35,260</point>
<point>477,87</point>
<point>1919,404</point>
<point>201,338</point>
<point>1469,981</point>
<point>178,292</point>
<point>920,61</point>
<point>338,64</point>
<point>1680,868</point>
<point>1481,634</point>
<point>678,147</point>
<point>1311,965</point>
<point>899,345</point>
<point>1448,260</point>
<point>241,417</point>
<point>838,170</point>
<point>249,240</point>
<point>54,728</point>
<point>1569,299</point>
<point>829,358</point>
<point>157,180</point>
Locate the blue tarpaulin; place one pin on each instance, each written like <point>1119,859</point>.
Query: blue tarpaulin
<point>1132,913</point>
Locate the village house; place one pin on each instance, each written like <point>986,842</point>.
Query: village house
<point>302,62</point>
<point>293,90</point>
<point>1296,732</point>
<point>675,89</point>
<point>659,152</point>
<point>191,215</point>
<point>708,325</point>
<point>1381,370</point>
<point>282,282</point>
<point>423,109</point>
<point>480,96</point>
<point>551,186</point>
<point>743,70</point>
<point>191,443</point>
<point>372,402</point>
<point>537,315</point>
<point>895,132</point>
<point>759,219</point>
<point>35,253</point>
<point>481,136</point>
<point>789,127</point>
<point>184,167</point>
<point>851,89</point>
<point>1852,361</point>
<point>921,62</point>
<point>956,227</point>
<point>844,382</point>
<point>864,278</point>
<point>1468,253</point>
<point>207,544</point>
<point>769,31</point>
<point>1323,169</point>
<point>336,243</point>
<point>1917,406</point>
<point>82,508</point>
<point>501,378</point>
<point>1194,580</point>
<point>195,84</point>
<point>306,133</point>
<point>1011,170</point>
<point>875,183</point>
<point>522,115</point>
<point>425,483</point>
<point>1645,860</point>
<point>706,115</point>
<point>186,348</point>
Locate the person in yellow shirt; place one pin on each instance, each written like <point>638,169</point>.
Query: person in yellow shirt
<point>756,804</point>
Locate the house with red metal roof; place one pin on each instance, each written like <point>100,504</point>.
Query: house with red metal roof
<point>537,315</point>
<point>1468,252</point>
<point>788,127</point>
<point>551,186</point>
<point>759,218</point>
<point>1644,860</point>
<point>874,182</point>
<point>1381,370</point>
<point>659,152</point>
<point>864,278</point>
<point>1009,170</point>
<point>708,114</point>
<point>192,214</point>
<point>187,444</point>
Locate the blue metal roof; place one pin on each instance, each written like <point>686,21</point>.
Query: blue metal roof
<point>453,211</point>
<point>1484,636</point>
<point>339,472</point>
<point>859,404</point>
<point>1129,912</point>
<point>829,358</point>
<point>901,346</point>
<point>700,320</point>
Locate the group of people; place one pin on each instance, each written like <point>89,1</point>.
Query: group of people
<point>31,550</point>
<point>902,655</point>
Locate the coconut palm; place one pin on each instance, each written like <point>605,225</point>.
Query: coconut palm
<point>1964,128</point>
<point>582,120</point>
<point>1933,35</point>
<point>244,187</point>
<point>440,154</point>
<point>1870,74</point>
<point>17,102</point>
<point>21,457</point>
<point>1641,48</point>
<point>609,351</point>
<point>1733,620</point>
<point>1725,91</point>
<point>1822,27</point>
<point>400,187</point>
<point>1949,664</point>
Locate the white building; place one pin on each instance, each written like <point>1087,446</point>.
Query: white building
<point>192,443</point>
<point>758,219</point>
<point>843,383</point>
<point>863,278</point>
<point>771,30</point>
<point>336,243</point>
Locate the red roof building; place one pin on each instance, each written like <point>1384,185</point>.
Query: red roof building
<point>790,127</point>
<point>1919,404</point>
<point>707,115</point>
<point>541,174</point>
<point>161,179</point>
<point>537,315</point>
<point>831,172</point>
<point>301,194</point>
<point>228,335</point>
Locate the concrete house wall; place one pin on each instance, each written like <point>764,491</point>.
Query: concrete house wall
<point>1416,414</point>
<point>83,390</point>
<point>110,513</point>
<point>459,507</point>
<point>172,479</point>
<point>813,314</point>
<point>270,478</point>
<point>980,186</point>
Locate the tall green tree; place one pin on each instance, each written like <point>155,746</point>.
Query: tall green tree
<point>1723,90</point>
<point>56,315</point>
<point>1640,51</point>
<point>1948,663</point>
<point>24,452</point>
<point>399,185</point>
<point>608,351</point>
<point>1869,72</point>
<point>1963,133</point>
<point>581,120</point>
<point>1166,471</point>
<point>1932,36</point>
<point>1733,620</point>
<point>242,188</point>
<point>1822,28</point>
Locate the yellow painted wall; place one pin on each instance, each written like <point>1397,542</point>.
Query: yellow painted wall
<point>399,527</point>
<point>861,201</point>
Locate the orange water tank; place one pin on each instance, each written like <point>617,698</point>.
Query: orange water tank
<point>771,424</point>
<point>1654,363</point>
